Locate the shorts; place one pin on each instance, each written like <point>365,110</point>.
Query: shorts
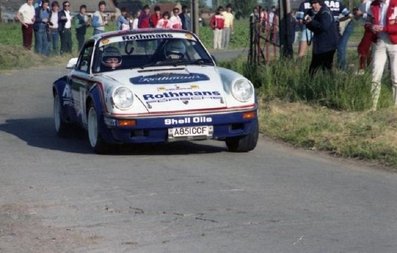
<point>305,34</point>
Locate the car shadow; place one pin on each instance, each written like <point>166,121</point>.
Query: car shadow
<point>40,132</point>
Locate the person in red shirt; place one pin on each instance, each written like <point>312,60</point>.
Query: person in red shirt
<point>144,18</point>
<point>217,23</point>
<point>155,17</point>
<point>383,24</point>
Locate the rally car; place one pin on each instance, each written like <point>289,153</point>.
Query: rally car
<point>153,86</point>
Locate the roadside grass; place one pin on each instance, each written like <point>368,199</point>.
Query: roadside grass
<point>360,135</point>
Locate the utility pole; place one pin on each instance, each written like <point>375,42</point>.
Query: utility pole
<point>195,16</point>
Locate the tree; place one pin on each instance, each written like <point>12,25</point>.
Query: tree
<point>243,7</point>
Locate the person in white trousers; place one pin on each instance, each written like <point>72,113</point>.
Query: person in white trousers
<point>384,24</point>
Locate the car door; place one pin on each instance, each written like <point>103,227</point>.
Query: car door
<point>81,81</point>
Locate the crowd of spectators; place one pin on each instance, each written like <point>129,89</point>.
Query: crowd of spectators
<point>51,24</point>
<point>328,25</point>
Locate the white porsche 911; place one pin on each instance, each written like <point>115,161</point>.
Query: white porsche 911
<point>148,86</point>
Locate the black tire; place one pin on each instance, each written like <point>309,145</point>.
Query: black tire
<point>96,141</point>
<point>62,128</point>
<point>246,143</point>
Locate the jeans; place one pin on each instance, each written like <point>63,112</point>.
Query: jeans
<point>66,41</point>
<point>342,45</point>
<point>54,41</point>
<point>41,42</point>
<point>226,37</point>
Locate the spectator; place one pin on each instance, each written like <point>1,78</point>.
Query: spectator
<point>136,20</point>
<point>164,22</point>
<point>99,19</point>
<point>228,27</point>
<point>324,30</point>
<point>365,44</point>
<point>64,26</point>
<point>40,27</point>
<point>383,24</point>
<point>287,35</point>
<point>144,18</point>
<point>155,17</point>
<point>185,18</point>
<point>25,15</point>
<point>175,19</point>
<point>305,35</point>
<point>217,23</point>
<point>341,14</point>
<point>272,29</point>
<point>53,28</point>
<point>123,22</point>
<point>81,23</point>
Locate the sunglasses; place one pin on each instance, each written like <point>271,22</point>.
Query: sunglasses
<point>66,5</point>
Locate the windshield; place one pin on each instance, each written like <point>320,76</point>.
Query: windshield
<point>128,52</point>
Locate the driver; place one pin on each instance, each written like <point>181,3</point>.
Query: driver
<point>111,57</point>
<point>175,49</point>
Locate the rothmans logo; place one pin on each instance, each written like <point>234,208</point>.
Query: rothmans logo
<point>169,78</point>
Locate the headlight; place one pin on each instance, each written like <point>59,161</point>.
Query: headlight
<point>123,98</point>
<point>242,90</point>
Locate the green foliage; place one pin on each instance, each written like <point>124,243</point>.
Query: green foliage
<point>239,39</point>
<point>289,80</point>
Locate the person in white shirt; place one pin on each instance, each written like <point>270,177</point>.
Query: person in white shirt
<point>164,21</point>
<point>99,18</point>
<point>135,22</point>
<point>25,15</point>
<point>176,22</point>
<point>228,27</point>
<point>53,26</point>
<point>65,25</point>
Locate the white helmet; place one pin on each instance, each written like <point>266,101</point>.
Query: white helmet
<point>175,49</point>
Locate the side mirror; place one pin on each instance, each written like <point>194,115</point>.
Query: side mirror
<point>72,63</point>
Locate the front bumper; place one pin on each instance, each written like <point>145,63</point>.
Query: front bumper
<point>155,129</point>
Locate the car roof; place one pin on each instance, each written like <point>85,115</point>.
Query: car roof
<point>138,31</point>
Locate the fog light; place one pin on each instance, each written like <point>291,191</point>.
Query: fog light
<point>126,122</point>
<point>249,115</point>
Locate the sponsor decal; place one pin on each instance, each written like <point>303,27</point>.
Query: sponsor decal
<point>183,96</point>
<point>177,87</point>
<point>105,41</point>
<point>187,120</point>
<point>147,36</point>
<point>169,78</point>
<point>67,95</point>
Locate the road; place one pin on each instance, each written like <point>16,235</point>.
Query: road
<point>57,196</point>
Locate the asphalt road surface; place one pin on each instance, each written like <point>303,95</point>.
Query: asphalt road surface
<point>57,196</point>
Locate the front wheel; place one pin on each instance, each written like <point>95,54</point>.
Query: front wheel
<point>96,141</point>
<point>246,143</point>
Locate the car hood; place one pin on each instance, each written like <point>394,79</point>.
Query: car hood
<point>171,89</point>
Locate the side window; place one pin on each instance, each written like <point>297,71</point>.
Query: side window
<point>85,58</point>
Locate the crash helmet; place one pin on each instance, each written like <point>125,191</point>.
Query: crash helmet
<point>111,57</point>
<point>175,49</point>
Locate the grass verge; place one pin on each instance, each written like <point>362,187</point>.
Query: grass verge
<point>361,135</point>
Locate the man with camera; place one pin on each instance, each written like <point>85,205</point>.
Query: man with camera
<point>325,36</point>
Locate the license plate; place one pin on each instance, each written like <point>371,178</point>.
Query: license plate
<point>190,132</point>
